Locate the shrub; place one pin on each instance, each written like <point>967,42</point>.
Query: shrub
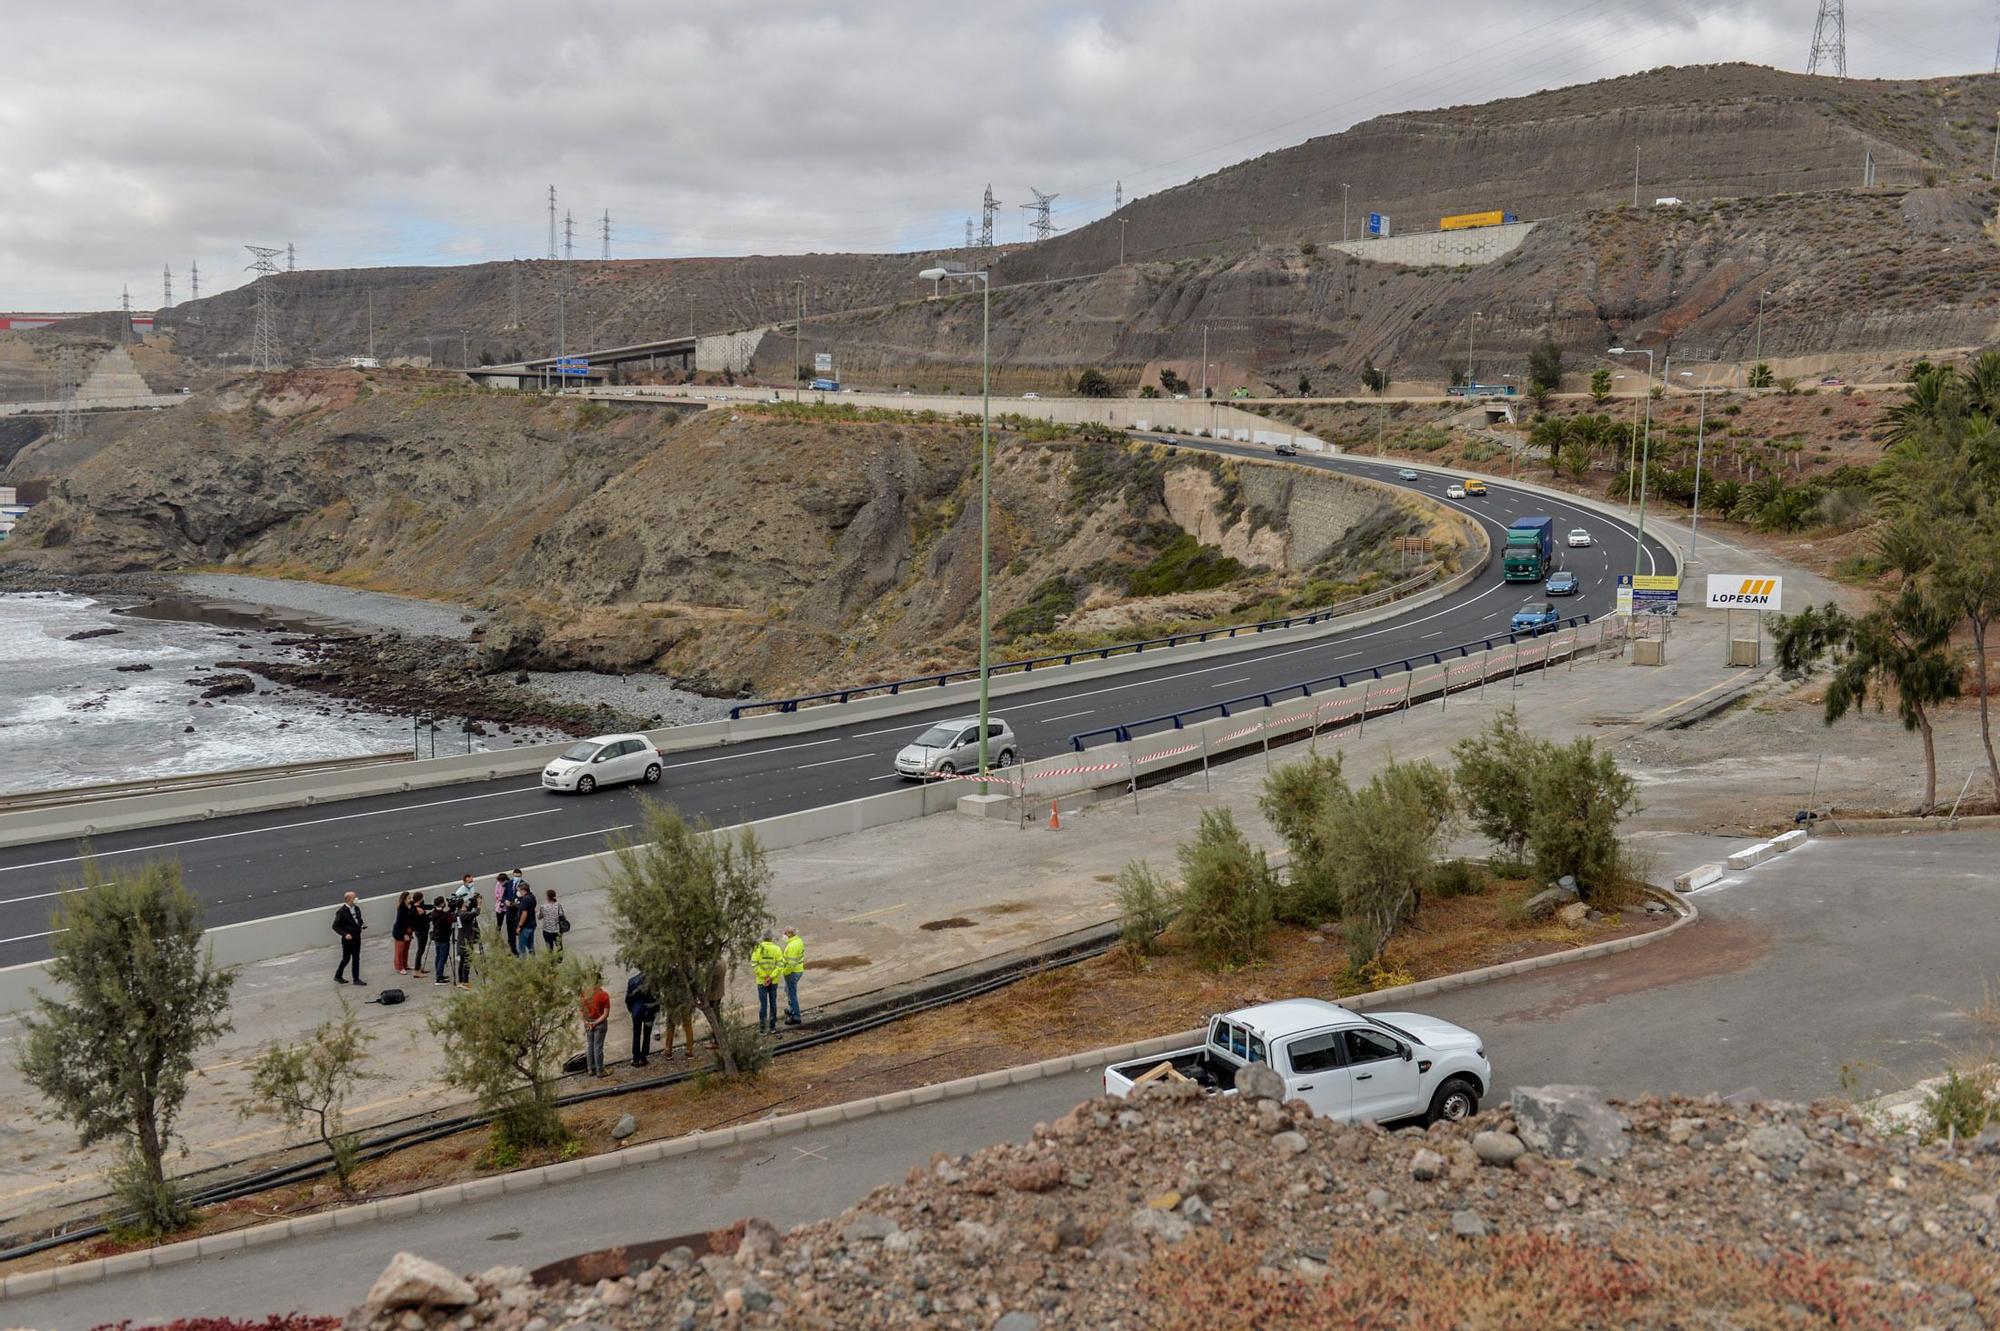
<point>748,1053</point>
<point>1383,842</point>
<point>309,1082</point>
<point>1046,607</point>
<point>1579,797</point>
<point>1146,904</point>
<point>1455,878</point>
<point>1226,892</point>
<point>1185,565</point>
<point>1493,772</point>
<point>1963,1105</point>
<point>1294,802</point>
<point>1093,383</point>
<point>504,1040</point>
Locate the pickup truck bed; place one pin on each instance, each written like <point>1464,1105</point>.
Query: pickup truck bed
<point>1195,1064</point>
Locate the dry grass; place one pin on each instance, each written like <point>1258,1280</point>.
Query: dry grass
<point>1107,1000</point>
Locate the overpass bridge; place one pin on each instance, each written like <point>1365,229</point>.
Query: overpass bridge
<point>715,352</point>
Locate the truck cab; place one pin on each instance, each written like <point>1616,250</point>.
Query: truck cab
<point>1346,1065</point>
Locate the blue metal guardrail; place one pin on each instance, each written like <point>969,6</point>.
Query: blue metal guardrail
<point>893,687</point>
<point>1121,734</point>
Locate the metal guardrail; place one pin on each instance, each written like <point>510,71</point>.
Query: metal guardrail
<point>22,801</point>
<point>1122,734</point>
<point>1388,594</point>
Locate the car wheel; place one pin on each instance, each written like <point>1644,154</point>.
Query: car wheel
<point>652,774</point>
<point>1006,757</point>
<point>585,784</point>
<point>946,769</point>
<point>1454,1102</point>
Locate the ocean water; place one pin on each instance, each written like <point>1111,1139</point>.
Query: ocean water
<point>69,716</point>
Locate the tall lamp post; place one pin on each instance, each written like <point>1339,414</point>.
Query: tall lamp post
<point>1645,456</point>
<point>985,280</point>
<point>1700,438</point>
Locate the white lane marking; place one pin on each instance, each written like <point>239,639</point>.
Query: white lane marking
<point>508,818</point>
<point>1066,716</point>
<point>782,748</point>
<point>802,767</point>
<point>1227,682</point>
<point>255,831</point>
<point>871,734</point>
<point>602,831</point>
<point>885,776</point>
<point>23,938</point>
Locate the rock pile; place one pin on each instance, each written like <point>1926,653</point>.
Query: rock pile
<point>1174,1211</point>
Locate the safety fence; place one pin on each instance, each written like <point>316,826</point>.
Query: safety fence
<point>1396,591</point>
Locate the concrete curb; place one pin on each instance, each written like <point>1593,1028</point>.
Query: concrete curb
<point>529,1180</point>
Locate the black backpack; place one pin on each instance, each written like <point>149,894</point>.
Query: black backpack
<point>390,997</point>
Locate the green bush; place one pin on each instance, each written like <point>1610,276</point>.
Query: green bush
<point>1226,892</point>
<point>1493,771</point>
<point>1383,842</point>
<point>1962,1106</point>
<point>1185,565</point>
<point>1579,798</point>
<point>1455,878</point>
<point>1294,802</point>
<point>1147,903</point>
<point>1047,605</point>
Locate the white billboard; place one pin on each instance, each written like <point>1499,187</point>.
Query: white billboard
<point>823,364</point>
<point>1745,591</point>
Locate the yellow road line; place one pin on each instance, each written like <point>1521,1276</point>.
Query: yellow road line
<point>1682,702</point>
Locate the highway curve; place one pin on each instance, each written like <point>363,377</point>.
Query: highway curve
<point>253,865</point>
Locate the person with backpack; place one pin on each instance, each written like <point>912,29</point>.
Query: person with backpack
<point>645,1010</point>
<point>347,922</point>
<point>555,923</point>
<point>443,921</point>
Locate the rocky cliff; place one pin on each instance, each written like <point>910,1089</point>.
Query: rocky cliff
<point>747,549</point>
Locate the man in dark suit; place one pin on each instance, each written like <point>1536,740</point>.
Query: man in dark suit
<point>347,922</point>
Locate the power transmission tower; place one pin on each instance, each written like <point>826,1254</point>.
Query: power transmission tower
<point>552,221</point>
<point>607,233</point>
<point>264,334</point>
<point>194,278</point>
<point>513,295</point>
<point>1042,227</point>
<point>968,233</point>
<point>1117,196</point>
<point>1829,42</point>
<point>986,211</point>
<point>125,304</point>
<point>166,285</point>
<point>291,258</point>
<point>569,236</point>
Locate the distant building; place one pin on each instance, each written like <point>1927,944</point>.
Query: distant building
<point>364,363</point>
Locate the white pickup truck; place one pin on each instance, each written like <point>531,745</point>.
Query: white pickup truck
<point>1348,1066</point>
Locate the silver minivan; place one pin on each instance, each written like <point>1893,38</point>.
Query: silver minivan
<point>950,747</point>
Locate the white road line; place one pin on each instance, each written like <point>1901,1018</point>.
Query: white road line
<point>256,831</point>
<point>782,748</point>
<point>1227,682</point>
<point>508,818</point>
<point>602,831</point>
<point>23,938</point>
<point>1066,716</point>
<point>802,767</point>
<point>871,734</point>
<point>885,776</point>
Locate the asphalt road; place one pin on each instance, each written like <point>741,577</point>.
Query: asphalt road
<point>254,865</point>
<point>1858,957</point>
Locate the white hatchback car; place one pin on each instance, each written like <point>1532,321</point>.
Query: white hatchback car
<point>951,747</point>
<point>1454,491</point>
<point>604,760</point>
<point>1579,539</point>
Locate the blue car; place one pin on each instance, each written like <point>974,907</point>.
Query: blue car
<point>1534,617</point>
<point>1563,583</point>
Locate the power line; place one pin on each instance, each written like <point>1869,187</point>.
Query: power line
<point>263,334</point>
<point>1829,39</point>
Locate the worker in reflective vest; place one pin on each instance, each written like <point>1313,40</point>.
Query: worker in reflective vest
<point>795,966</point>
<point>767,960</point>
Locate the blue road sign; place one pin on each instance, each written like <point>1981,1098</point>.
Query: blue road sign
<point>1378,224</point>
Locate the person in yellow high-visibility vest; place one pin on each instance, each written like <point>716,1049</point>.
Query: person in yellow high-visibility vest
<point>767,960</point>
<point>795,966</point>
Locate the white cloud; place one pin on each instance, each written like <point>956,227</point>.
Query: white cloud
<point>133,133</point>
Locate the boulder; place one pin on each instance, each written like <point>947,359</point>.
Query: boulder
<point>1574,915</point>
<point>1260,1082</point>
<point>1776,1143</point>
<point>1497,1148</point>
<point>1469,1225</point>
<point>224,686</point>
<point>1547,902</point>
<point>1569,1123</point>
<point>410,1281</point>
<point>624,1127</point>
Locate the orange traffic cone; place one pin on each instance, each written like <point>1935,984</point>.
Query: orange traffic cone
<point>1055,817</point>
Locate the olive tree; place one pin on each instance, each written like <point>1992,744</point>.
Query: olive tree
<point>309,1082</point>
<point>686,908</point>
<point>140,993</point>
<point>1383,844</point>
<point>505,1039</point>
<point>1226,891</point>
<point>1494,773</point>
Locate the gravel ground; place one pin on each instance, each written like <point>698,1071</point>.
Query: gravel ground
<point>377,610</point>
<point>1171,1211</point>
<point>640,695</point>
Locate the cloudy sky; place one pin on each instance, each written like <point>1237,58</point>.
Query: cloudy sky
<point>135,134</point>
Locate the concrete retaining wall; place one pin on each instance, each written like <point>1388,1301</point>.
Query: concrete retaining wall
<point>731,352</point>
<point>1440,249</point>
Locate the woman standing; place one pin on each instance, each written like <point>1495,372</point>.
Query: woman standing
<point>554,924</point>
<point>400,931</point>
<point>420,932</point>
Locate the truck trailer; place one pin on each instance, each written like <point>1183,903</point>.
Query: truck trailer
<point>1529,555</point>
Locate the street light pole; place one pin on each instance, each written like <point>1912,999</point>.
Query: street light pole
<point>1343,212</point>
<point>798,341</point>
<point>1469,325</point>
<point>1645,457</point>
<point>1700,436</point>
<point>985,492</point>
<point>1757,353</point>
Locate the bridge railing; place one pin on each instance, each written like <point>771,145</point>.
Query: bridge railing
<point>1357,604</point>
<point>1124,733</point>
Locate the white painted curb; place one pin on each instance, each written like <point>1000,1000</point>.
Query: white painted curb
<point>1751,855</point>
<point>528,1180</point>
<point>1789,841</point>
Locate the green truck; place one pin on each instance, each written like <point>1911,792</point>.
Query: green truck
<point>1529,555</point>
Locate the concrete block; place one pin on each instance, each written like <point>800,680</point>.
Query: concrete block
<point>994,1081</point>
<point>1789,841</point>
<point>679,1146</point>
<point>318,1224</point>
<point>80,1273</point>
<point>29,1282</point>
<point>926,1095</point>
<point>1699,876</point>
<point>437,1199</point>
<point>751,1132</point>
<point>278,1233</point>
<point>352,1217</point>
<point>127,1262</point>
<point>480,1189</point>
<point>1751,855</point>
<point>1032,1072</point>
<point>607,1163</point>
<point>893,1101</point>
<point>823,1118</point>
<point>993,805</point>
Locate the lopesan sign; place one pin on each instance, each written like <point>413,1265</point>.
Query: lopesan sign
<point>1745,591</point>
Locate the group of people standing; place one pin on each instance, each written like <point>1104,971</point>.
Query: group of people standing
<point>442,934</point>
<point>773,961</point>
